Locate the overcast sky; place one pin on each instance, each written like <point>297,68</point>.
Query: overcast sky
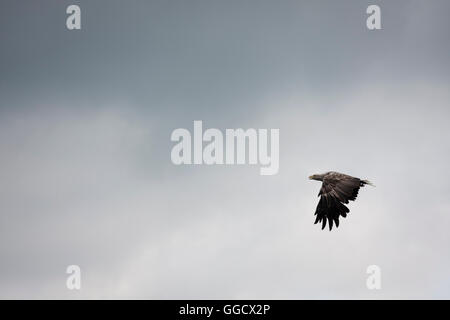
<point>85,170</point>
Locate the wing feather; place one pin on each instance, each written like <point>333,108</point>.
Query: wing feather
<point>336,190</point>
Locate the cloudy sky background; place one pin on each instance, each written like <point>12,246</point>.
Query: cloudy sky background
<point>85,170</point>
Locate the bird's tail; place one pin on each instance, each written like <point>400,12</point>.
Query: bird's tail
<point>364,182</point>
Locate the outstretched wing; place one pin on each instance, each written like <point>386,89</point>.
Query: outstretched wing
<point>336,190</point>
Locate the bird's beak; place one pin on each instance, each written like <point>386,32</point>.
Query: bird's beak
<point>310,177</point>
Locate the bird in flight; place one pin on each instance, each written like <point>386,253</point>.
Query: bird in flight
<point>337,188</point>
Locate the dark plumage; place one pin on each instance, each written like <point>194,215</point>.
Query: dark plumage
<point>337,188</point>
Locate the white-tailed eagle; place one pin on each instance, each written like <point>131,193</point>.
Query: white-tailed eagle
<point>337,188</point>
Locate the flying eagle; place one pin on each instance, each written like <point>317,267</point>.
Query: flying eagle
<point>337,188</point>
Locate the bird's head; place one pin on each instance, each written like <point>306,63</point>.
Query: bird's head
<point>318,177</point>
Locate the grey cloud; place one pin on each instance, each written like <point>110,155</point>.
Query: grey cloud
<point>86,177</point>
